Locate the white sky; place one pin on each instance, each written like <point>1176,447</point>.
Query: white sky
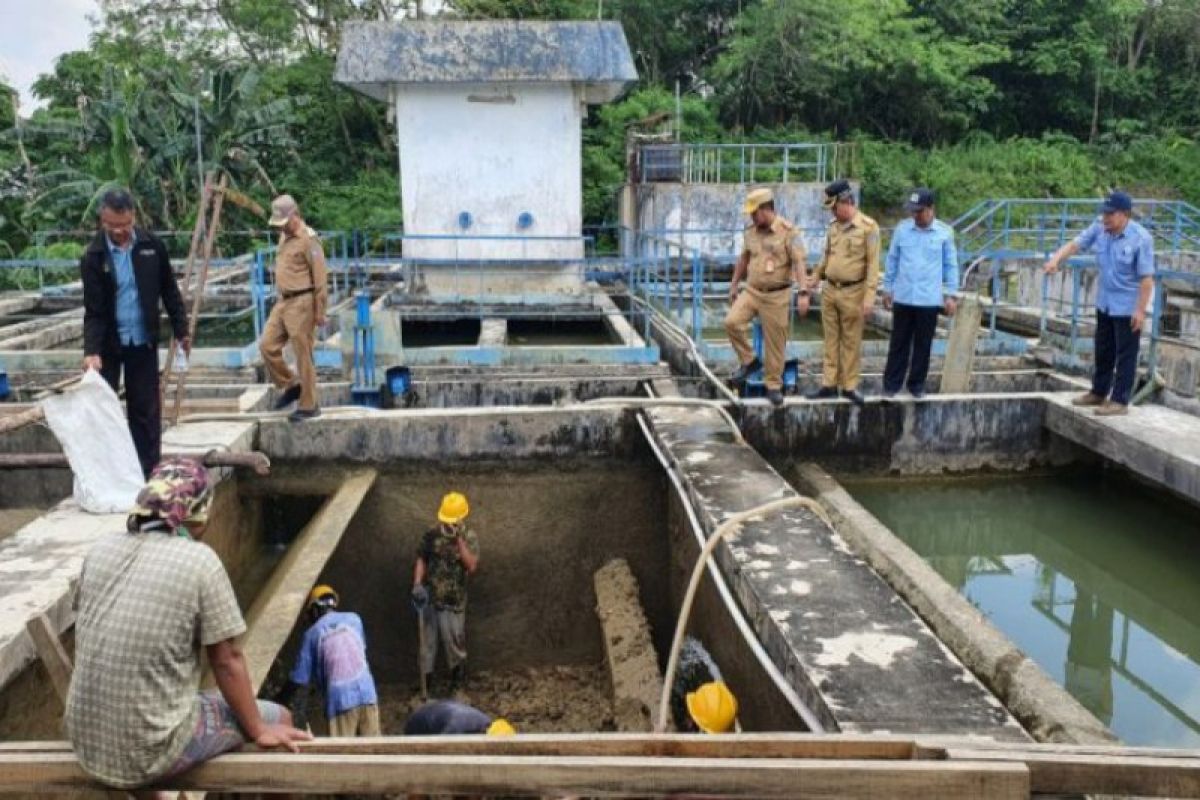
<point>33,33</point>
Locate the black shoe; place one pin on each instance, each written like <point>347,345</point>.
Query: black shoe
<point>775,396</point>
<point>289,396</point>
<point>889,395</point>
<point>740,375</point>
<point>824,393</point>
<point>301,414</point>
<point>918,394</point>
<point>853,397</point>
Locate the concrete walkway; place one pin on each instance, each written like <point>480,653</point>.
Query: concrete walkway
<point>858,654</point>
<point>1155,442</point>
<point>40,564</point>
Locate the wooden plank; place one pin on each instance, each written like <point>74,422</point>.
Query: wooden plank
<point>280,603</point>
<point>675,745</point>
<point>817,779</point>
<point>53,654</point>
<point>217,458</point>
<point>960,349</point>
<point>12,422</point>
<point>1058,773</point>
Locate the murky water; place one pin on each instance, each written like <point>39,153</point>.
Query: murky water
<point>1094,576</point>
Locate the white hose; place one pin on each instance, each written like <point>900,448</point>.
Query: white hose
<point>249,416</point>
<point>810,719</point>
<point>685,609</point>
<point>691,344</point>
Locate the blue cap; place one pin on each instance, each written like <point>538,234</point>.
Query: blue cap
<point>919,198</point>
<point>1117,201</point>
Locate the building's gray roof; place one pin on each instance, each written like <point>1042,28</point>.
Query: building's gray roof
<point>375,55</point>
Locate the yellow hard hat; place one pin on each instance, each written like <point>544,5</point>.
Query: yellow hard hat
<point>713,707</point>
<point>320,593</point>
<point>756,199</point>
<point>501,727</point>
<point>454,508</point>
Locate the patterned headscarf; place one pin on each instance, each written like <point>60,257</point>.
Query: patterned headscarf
<point>177,493</point>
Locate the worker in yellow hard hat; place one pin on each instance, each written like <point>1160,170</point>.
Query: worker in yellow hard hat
<point>700,698</point>
<point>448,554</point>
<point>333,654</point>
<point>448,717</point>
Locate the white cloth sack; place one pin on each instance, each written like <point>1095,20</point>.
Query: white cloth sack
<point>90,425</point>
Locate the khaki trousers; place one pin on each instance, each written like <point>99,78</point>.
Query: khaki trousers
<point>292,321</point>
<point>842,320</point>
<point>771,308</point>
<point>360,721</point>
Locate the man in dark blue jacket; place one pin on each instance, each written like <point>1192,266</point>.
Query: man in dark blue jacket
<point>126,274</point>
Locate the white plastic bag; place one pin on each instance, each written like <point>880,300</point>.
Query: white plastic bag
<point>90,425</point>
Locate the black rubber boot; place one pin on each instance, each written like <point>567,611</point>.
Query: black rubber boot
<point>458,678</point>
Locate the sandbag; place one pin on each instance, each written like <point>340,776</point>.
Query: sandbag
<point>89,423</point>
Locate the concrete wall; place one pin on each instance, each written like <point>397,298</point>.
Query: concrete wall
<point>541,539</point>
<point>32,488</point>
<point>718,207</point>
<point>494,160</point>
<point>939,434</point>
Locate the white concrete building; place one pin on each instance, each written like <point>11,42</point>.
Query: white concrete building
<point>488,120</point>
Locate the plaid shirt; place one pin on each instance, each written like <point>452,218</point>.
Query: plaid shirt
<point>147,603</point>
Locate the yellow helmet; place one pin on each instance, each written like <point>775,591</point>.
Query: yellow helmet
<point>501,727</point>
<point>322,592</point>
<point>713,707</point>
<point>454,509</point>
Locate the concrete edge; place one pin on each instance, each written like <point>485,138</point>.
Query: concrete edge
<point>1046,709</point>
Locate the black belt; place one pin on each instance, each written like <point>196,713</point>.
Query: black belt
<point>844,284</point>
<point>774,289</point>
<point>297,293</point>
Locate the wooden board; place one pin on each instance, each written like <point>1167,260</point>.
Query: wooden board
<point>817,779</point>
<point>960,349</point>
<point>53,654</point>
<point>280,603</point>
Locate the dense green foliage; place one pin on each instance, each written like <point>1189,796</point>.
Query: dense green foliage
<point>979,99</point>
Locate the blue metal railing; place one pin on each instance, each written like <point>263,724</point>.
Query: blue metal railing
<point>743,163</point>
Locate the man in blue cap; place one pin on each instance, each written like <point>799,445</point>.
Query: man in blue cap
<point>919,281</point>
<point>1125,254</point>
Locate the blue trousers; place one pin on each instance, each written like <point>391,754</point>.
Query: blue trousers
<point>1116,357</point>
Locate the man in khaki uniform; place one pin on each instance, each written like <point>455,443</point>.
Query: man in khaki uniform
<point>772,259</point>
<point>850,268</point>
<point>300,276</point>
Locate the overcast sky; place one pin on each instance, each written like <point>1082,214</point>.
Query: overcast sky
<point>33,33</point>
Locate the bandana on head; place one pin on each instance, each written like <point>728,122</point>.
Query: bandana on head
<point>176,494</point>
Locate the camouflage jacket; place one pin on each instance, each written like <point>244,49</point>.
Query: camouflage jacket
<point>445,574</point>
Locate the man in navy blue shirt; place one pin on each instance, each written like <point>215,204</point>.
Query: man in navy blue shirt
<point>126,273</point>
<point>1125,254</point>
<point>919,281</point>
<point>334,655</point>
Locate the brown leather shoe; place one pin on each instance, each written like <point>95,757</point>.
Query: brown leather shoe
<point>1111,409</point>
<point>1088,399</point>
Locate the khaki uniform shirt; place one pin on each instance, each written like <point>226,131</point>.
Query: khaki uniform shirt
<point>773,254</point>
<point>300,264</point>
<point>851,252</point>
<point>147,604</point>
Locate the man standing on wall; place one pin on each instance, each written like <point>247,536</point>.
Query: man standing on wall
<point>850,269</point>
<point>919,282</point>
<point>772,260</point>
<point>1125,253</point>
<point>300,277</point>
<point>126,272</point>
<point>447,556</point>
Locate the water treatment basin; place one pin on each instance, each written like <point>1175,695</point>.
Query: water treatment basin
<point>1089,572</point>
